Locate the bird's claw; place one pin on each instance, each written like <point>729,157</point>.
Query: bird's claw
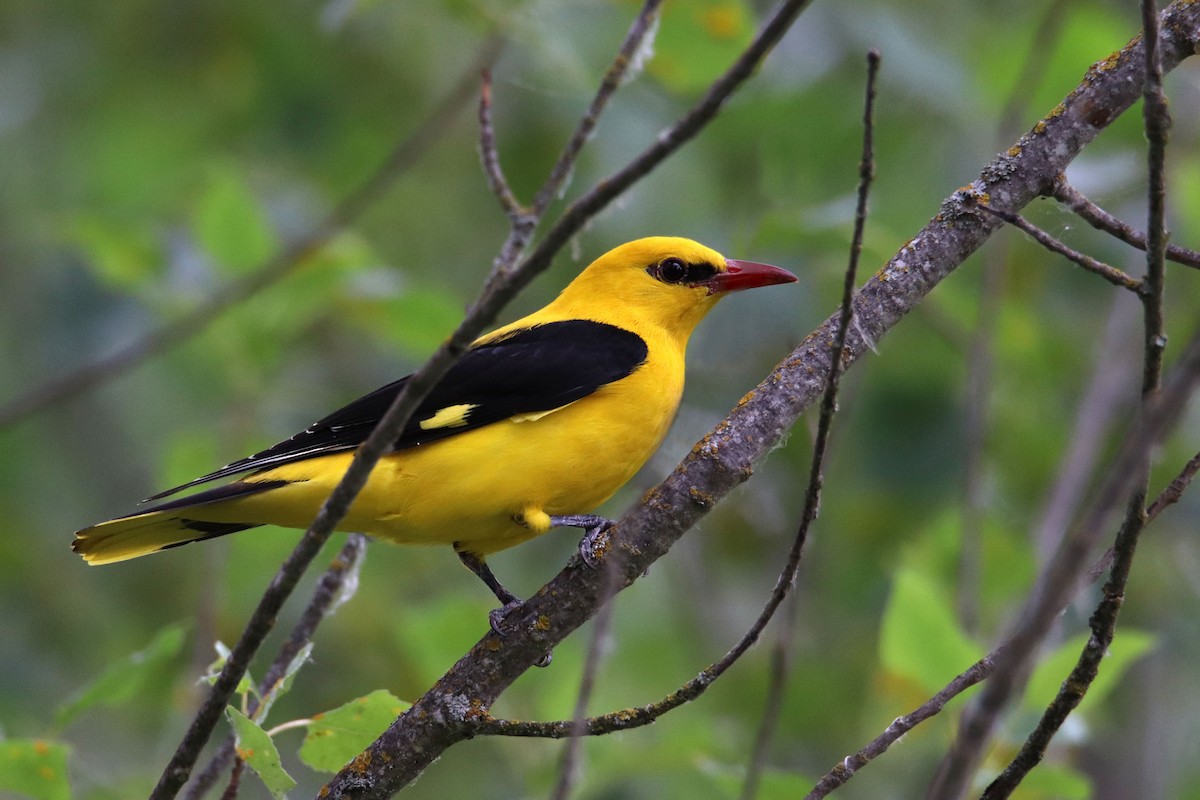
<point>496,618</point>
<point>595,539</point>
<point>594,543</point>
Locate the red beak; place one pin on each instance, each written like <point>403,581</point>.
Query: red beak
<point>739,275</point>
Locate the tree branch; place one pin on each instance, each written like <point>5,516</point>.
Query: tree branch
<point>725,457</point>
<point>1111,274</point>
<point>1104,620</point>
<point>327,596</point>
<point>780,656</point>
<point>1105,222</point>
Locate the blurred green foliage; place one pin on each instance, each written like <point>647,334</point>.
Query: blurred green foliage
<point>153,152</point>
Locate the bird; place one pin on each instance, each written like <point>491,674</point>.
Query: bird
<point>535,426</point>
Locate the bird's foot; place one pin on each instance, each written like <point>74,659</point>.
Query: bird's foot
<point>595,539</point>
<point>496,618</point>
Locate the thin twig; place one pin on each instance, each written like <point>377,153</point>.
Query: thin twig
<point>171,334</point>
<point>1103,621</point>
<point>1111,274</point>
<point>777,684</point>
<point>524,221</point>
<point>1175,489</point>
<point>327,595</point>
<point>1105,222</point>
<point>1058,582</point>
<point>845,770</point>
<point>643,27</point>
<point>490,157</point>
<point>980,670</point>
<point>576,215</point>
<point>1157,121</point>
<point>568,774</point>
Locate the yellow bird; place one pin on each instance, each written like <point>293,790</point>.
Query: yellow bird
<point>539,423</point>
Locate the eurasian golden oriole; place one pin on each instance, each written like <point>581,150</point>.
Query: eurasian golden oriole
<point>534,427</point>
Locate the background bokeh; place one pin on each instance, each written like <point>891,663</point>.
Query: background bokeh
<point>151,153</point>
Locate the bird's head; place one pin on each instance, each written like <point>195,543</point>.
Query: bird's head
<point>665,280</point>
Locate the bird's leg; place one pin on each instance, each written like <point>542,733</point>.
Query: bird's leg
<point>511,602</point>
<point>595,538</point>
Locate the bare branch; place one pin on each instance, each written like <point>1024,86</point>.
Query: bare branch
<point>1103,221</point>
<point>1058,582</point>
<point>844,771</point>
<point>327,595</point>
<point>643,27</point>
<point>777,684</point>
<point>1175,489</point>
<point>490,157</point>
<point>1111,274</point>
<point>1157,120</point>
<point>1104,619</point>
<point>171,334</point>
<point>523,224</point>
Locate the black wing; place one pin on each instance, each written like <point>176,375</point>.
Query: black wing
<point>529,371</point>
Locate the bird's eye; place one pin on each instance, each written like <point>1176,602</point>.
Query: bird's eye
<point>672,270</point>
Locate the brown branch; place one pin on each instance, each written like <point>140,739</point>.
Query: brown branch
<point>613,77</point>
<point>326,597</point>
<point>490,157</point>
<point>1103,622</point>
<point>171,334</point>
<point>1105,222</point>
<point>1111,274</point>
<point>844,771</point>
<point>726,456</point>
<point>777,684</point>
<point>980,670</point>
<point>523,221</point>
<point>1058,581</point>
<point>1175,489</point>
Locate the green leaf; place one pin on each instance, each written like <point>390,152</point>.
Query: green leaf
<point>127,677</point>
<point>280,688</point>
<point>339,735</point>
<point>1126,648</point>
<point>35,768</point>
<point>255,747</point>
<point>230,223</point>
<point>920,638</point>
<point>245,685</point>
<point>121,255</point>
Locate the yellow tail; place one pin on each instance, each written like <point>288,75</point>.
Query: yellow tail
<point>142,534</point>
